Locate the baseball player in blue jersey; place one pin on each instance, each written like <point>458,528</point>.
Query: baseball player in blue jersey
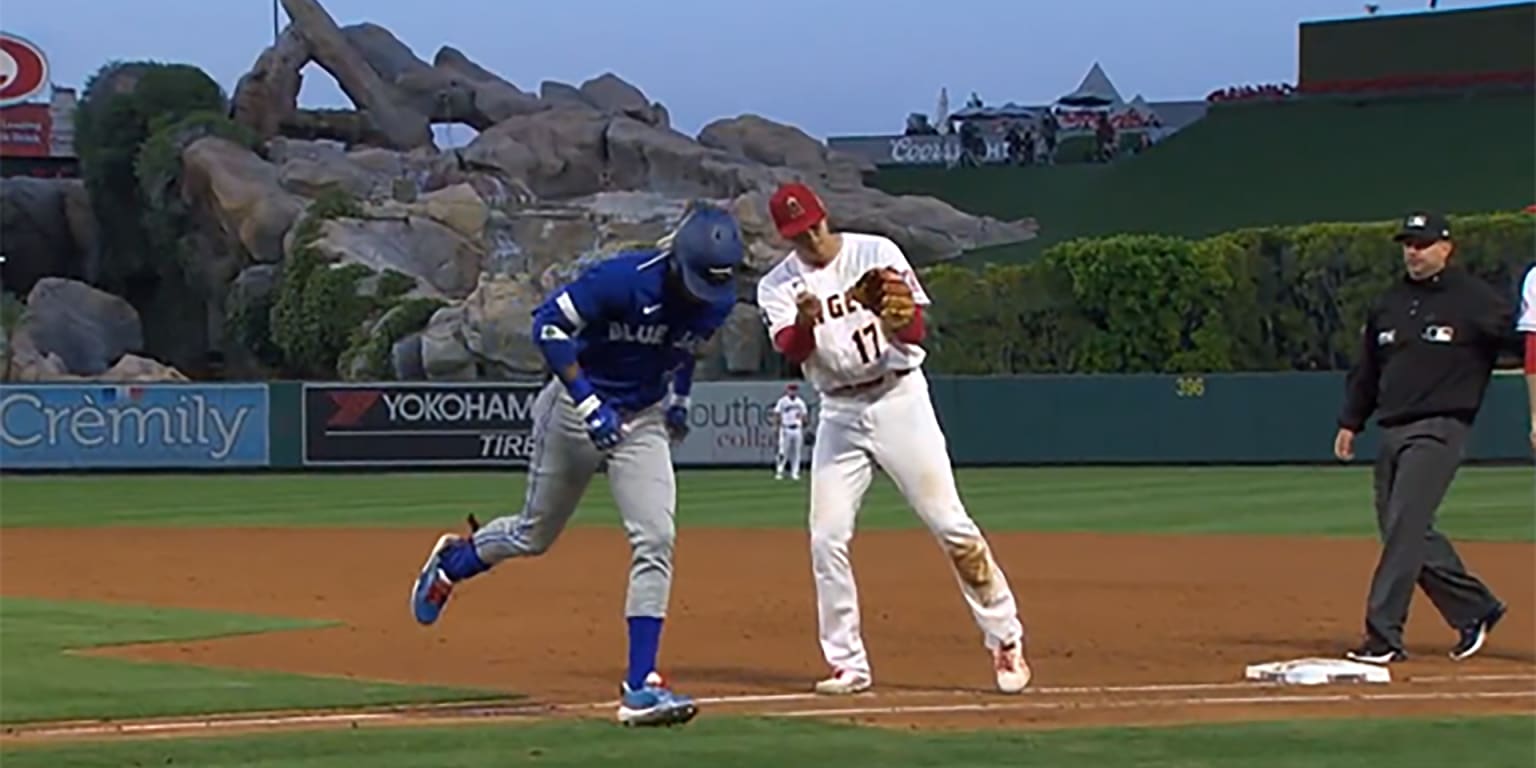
<point>615,338</point>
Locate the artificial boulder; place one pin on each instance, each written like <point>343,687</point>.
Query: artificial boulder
<point>459,208</point>
<point>443,263</point>
<point>743,341</point>
<point>405,359</point>
<point>611,94</point>
<point>86,328</point>
<point>444,354</point>
<point>132,368</point>
<point>498,325</point>
<point>43,229</point>
<point>557,153</point>
<point>764,141</point>
<point>242,193</point>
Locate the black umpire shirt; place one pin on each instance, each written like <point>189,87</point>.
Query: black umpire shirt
<point>1428,349</point>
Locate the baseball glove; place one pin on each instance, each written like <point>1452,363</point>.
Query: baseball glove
<point>883,291</point>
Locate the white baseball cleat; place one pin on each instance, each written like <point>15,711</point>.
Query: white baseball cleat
<point>843,683</point>
<point>1012,670</point>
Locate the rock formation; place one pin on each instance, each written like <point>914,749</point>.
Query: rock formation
<point>477,234</point>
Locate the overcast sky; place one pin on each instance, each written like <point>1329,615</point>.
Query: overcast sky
<point>832,67</point>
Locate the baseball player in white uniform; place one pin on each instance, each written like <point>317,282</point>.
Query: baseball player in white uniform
<point>790,412</point>
<point>1526,324</point>
<point>864,360</point>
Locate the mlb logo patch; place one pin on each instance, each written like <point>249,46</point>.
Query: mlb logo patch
<point>1386,337</point>
<point>1439,334</point>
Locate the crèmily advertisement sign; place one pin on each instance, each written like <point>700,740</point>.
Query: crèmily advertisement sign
<point>123,426</point>
<point>419,424</point>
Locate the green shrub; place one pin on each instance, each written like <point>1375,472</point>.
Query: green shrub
<point>375,347</point>
<point>112,125</point>
<point>317,308</point>
<point>320,321</point>
<point>393,284</point>
<point>167,219</point>
<point>1276,298</point>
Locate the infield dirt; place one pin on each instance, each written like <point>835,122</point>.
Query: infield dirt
<point>1122,629</point>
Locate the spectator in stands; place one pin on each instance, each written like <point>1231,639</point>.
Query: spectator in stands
<point>1048,129</point>
<point>1104,136</point>
<point>1014,141</point>
<point>973,146</point>
<point>918,125</point>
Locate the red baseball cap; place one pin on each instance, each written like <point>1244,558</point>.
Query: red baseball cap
<point>795,209</point>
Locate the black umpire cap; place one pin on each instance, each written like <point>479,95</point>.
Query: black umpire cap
<point>1423,226</point>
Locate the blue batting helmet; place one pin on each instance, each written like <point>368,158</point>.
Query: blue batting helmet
<point>708,250</point>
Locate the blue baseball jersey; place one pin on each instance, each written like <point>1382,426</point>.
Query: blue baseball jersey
<point>631,333</point>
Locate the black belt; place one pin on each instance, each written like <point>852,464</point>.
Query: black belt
<point>863,386</point>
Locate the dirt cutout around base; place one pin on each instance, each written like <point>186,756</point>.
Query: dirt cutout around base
<point>1121,629</point>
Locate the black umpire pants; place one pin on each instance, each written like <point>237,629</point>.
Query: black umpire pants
<point>1413,472</point>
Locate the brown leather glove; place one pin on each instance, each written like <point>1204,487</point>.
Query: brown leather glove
<point>883,291</point>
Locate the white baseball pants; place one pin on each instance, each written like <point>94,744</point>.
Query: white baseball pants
<point>895,427</point>
<point>791,441</point>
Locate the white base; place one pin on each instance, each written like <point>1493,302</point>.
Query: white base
<point>1315,671</point>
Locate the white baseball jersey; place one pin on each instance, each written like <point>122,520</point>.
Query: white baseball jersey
<point>791,411</point>
<point>851,345</point>
<point>1527,319</point>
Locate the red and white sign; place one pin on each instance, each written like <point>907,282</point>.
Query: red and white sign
<point>26,130</point>
<point>23,69</point>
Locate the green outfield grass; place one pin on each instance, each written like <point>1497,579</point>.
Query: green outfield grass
<point>1486,503</point>
<point>1481,742</point>
<point>41,680</point>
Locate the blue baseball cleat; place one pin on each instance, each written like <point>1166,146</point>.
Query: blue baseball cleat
<point>433,587</point>
<point>654,704</point>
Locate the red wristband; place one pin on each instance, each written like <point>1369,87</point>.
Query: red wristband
<point>914,332</point>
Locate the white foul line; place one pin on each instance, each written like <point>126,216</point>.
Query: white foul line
<point>213,723</point>
<point>184,725</point>
<point>1059,690</point>
<point>1138,703</point>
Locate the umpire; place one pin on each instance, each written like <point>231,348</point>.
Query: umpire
<point>1426,356</point>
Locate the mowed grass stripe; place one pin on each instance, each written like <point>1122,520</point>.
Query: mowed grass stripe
<point>41,680</point>
<point>717,741</point>
<point>1485,502</point>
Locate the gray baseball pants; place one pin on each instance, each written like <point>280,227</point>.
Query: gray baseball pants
<point>1413,472</point>
<point>563,463</point>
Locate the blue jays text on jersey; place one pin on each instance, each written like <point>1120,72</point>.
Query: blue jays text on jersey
<point>631,331</point>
